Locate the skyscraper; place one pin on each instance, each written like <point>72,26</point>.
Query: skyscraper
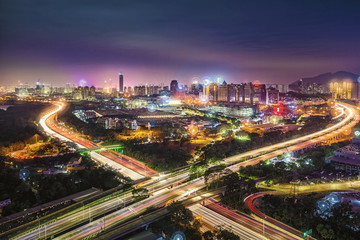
<point>174,88</point>
<point>121,83</point>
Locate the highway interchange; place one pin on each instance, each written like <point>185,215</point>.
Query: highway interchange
<point>161,185</point>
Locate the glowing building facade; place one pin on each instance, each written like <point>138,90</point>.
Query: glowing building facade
<point>244,93</point>
<point>345,89</point>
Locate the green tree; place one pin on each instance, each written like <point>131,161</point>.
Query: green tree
<point>140,193</point>
<point>208,235</point>
<point>325,231</point>
<point>349,221</point>
<point>226,235</point>
<point>215,173</point>
<point>180,214</point>
<point>237,188</point>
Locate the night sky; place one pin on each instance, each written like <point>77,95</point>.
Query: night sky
<point>155,41</point>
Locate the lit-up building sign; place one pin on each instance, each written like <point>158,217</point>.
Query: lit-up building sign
<point>278,109</point>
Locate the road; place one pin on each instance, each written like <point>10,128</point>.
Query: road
<point>161,196</point>
<point>120,231</point>
<point>284,189</point>
<point>218,221</point>
<point>82,215</point>
<point>348,122</point>
<point>248,222</point>
<point>320,187</point>
<point>47,119</point>
<point>158,198</point>
<point>200,183</point>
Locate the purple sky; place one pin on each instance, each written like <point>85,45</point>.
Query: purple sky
<point>156,41</point>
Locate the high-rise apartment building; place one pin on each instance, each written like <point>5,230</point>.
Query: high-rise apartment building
<point>272,96</point>
<point>223,93</point>
<point>259,93</point>
<point>140,91</point>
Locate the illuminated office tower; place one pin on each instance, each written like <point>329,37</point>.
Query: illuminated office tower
<point>121,83</point>
<point>174,88</point>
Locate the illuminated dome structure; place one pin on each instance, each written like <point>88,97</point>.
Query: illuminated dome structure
<point>326,204</point>
<point>333,198</point>
<point>323,205</point>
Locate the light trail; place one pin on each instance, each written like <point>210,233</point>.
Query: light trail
<point>114,218</point>
<point>257,226</point>
<point>219,221</point>
<point>75,218</point>
<point>122,215</point>
<point>341,114</point>
<point>330,130</point>
<point>96,156</point>
<point>52,133</point>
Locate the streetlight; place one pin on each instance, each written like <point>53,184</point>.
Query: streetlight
<point>39,224</point>
<point>264,226</point>
<point>104,221</point>
<point>122,201</point>
<point>89,214</point>
<point>83,210</point>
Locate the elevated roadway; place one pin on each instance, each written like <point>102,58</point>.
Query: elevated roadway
<point>81,143</point>
<point>163,195</point>
<point>284,189</point>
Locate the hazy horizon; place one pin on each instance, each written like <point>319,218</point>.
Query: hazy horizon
<point>155,42</point>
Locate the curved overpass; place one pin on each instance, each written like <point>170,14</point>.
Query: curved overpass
<point>349,121</point>
<point>84,144</point>
<point>161,197</point>
<point>249,201</point>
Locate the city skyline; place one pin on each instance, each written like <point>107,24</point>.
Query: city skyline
<point>201,120</point>
<point>155,43</point>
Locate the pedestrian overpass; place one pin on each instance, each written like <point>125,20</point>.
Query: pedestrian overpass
<point>116,148</point>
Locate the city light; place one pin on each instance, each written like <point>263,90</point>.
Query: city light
<point>206,81</point>
<point>278,109</point>
<point>347,131</point>
<point>155,123</point>
<point>357,133</point>
<point>193,130</point>
<point>151,107</point>
<point>174,102</point>
<point>243,137</point>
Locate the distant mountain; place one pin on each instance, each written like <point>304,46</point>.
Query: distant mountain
<point>325,78</point>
